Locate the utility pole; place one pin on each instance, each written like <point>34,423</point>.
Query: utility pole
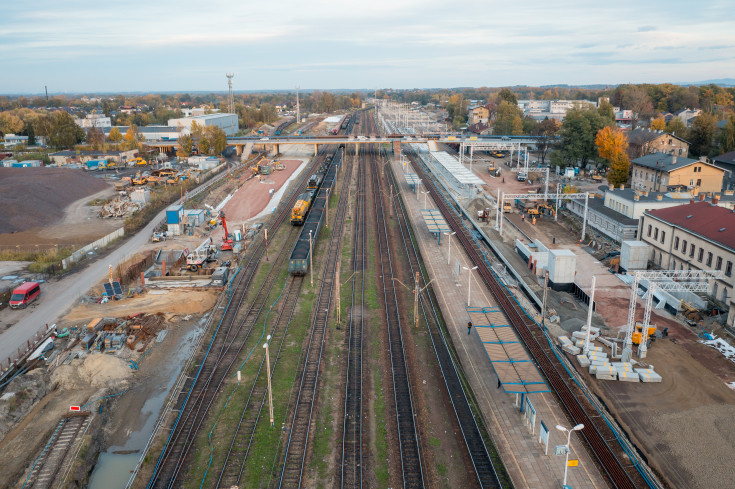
<point>543,307</point>
<point>416,300</point>
<point>589,318</point>
<point>298,107</point>
<point>311,262</point>
<point>268,376</point>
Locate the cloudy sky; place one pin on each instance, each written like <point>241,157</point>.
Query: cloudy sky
<point>135,45</point>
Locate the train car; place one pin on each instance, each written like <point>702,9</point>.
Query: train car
<point>314,181</point>
<point>335,130</point>
<point>301,208</point>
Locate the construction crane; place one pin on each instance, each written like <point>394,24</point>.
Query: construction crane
<point>667,281</point>
<point>203,254</point>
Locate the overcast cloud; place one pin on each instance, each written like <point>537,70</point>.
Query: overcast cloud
<point>135,45</point>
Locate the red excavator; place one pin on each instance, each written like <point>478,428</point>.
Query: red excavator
<point>227,239</point>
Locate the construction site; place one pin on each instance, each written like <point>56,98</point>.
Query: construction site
<point>654,371</point>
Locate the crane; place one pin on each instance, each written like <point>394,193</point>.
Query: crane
<point>668,281</point>
<point>226,240</point>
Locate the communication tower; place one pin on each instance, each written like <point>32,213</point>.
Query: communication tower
<point>230,99</point>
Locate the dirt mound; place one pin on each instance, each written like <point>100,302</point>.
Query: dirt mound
<point>97,370</point>
<point>34,197</point>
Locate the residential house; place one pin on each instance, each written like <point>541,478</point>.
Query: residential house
<point>688,115</point>
<point>480,128</point>
<point>726,161</point>
<point>659,172</point>
<point>698,236</point>
<point>644,141</point>
<point>478,114</point>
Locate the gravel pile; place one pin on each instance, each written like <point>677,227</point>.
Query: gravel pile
<point>702,441</point>
<point>34,197</point>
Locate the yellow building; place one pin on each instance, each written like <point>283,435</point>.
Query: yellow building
<point>478,114</point>
<point>660,172</point>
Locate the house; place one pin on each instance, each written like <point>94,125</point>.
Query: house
<point>93,120</point>
<point>634,203</point>
<point>552,109</point>
<point>478,114</point>
<point>605,220</point>
<point>659,172</point>
<point>698,236</point>
<point>726,161</point>
<point>13,140</point>
<point>688,115</point>
<point>479,128</point>
<point>227,122</point>
<point>644,141</point>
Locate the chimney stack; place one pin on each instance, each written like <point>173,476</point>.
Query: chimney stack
<point>701,196</point>
<point>622,186</point>
<point>715,199</point>
<point>635,197</point>
<point>673,160</point>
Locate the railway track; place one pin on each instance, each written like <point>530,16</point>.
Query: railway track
<point>57,453</point>
<point>613,462</point>
<point>233,466</point>
<point>352,463</point>
<point>292,468</point>
<point>484,468</point>
<point>412,472</point>
<point>222,352</point>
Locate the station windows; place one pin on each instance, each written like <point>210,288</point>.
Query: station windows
<point>709,258</point>
<point>684,247</point>
<point>663,236</point>
<point>650,228</point>
<point>728,269</point>
<point>655,234</point>
<point>700,257</point>
<point>691,250</point>
<point>676,243</point>
<point>718,266</point>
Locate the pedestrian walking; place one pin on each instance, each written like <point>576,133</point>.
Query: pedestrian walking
<point>499,384</point>
<point>503,179</point>
<point>534,220</point>
<point>469,327</point>
<point>523,217</point>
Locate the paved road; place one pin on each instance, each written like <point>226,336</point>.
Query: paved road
<point>58,297</point>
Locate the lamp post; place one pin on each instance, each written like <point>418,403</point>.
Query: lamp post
<point>569,438</point>
<point>268,376</point>
<point>425,193</point>
<point>449,254</point>
<point>469,282</point>
<point>311,261</point>
<point>418,186</point>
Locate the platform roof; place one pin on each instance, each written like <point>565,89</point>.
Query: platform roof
<point>435,221</point>
<point>508,358</point>
<point>412,178</point>
<point>452,165</point>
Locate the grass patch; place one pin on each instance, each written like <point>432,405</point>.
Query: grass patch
<point>44,261</point>
<point>442,469</point>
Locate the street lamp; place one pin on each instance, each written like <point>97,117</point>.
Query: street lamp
<point>425,193</point>
<point>268,376</point>
<point>418,186</point>
<point>469,282</point>
<point>311,266</point>
<point>569,438</point>
<point>449,255</point>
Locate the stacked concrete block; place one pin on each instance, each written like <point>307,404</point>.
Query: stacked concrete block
<point>571,349</point>
<point>606,372</point>
<point>648,375</point>
<point>584,362</point>
<point>628,376</point>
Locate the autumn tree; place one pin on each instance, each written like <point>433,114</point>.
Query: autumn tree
<point>115,136</point>
<point>637,100</point>
<point>508,119</point>
<point>96,138</point>
<point>507,95</point>
<point>727,135</point>
<point>611,145</point>
<point>546,132</point>
<point>204,143</point>
<point>64,132</point>
<point>577,136</point>
<point>218,139</point>
<point>184,146</point>
<point>10,123</point>
<point>658,124</point>
<point>457,110</point>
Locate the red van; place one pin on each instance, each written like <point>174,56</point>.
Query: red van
<point>24,295</point>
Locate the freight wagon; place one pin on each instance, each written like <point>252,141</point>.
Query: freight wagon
<point>301,208</point>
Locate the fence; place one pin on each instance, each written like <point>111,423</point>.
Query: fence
<point>79,254</point>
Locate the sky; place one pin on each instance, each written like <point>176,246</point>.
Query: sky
<point>90,47</point>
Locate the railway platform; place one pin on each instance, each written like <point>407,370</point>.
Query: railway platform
<point>523,455</point>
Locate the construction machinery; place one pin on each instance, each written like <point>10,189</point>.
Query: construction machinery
<point>301,207</point>
<point>638,334</point>
<point>690,312</point>
<point>493,170</point>
<point>138,162</point>
<point>507,207</point>
<point>139,179</point>
<point>203,254</point>
<point>227,239</point>
<point>483,215</point>
<point>529,207</point>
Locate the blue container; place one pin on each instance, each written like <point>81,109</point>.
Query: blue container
<point>175,214</point>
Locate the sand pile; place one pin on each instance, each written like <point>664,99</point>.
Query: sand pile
<point>97,370</point>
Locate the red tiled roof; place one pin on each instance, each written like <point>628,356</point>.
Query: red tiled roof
<point>710,221</point>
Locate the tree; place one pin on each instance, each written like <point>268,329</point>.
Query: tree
<point>702,134</point>
<point>64,132</point>
<point>96,138</point>
<point>204,143</point>
<point>546,132</point>
<point>115,136</point>
<point>637,100</point>
<point>131,137</point>
<point>508,119</point>
<point>611,145</point>
<point>677,127</point>
<point>457,110</point>
<point>28,131</point>
<point>10,123</point>
<point>727,135</point>
<point>218,139</point>
<point>507,95</point>
<point>577,136</point>
<point>606,109</point>
<point>184,146</point>
<point>658,124</point>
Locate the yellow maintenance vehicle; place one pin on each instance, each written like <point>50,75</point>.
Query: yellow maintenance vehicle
<point>138,161</point>
<point>638,333</point>
<point>301,208</point>
<point>139,179</point>
<point>507,207</point>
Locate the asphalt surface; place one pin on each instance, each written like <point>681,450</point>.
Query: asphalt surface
<point>58,297</point>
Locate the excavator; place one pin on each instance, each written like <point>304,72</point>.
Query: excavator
<point>226,240</point>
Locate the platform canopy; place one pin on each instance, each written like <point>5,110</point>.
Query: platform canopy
<point>454,168</point>
<point>412,179</point>
<point>435,221</point>
<point>509,359</point>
